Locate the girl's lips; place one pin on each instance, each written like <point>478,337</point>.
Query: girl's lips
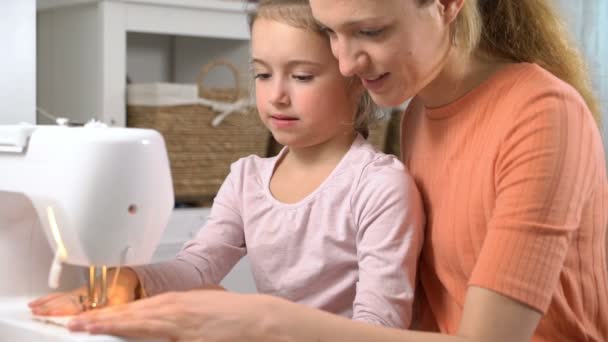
<point>375,84</point>
<point>283,117</point>
<point>283,121</point>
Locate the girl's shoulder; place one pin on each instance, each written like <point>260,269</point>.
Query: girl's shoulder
<point>375,167</point>
<point>365,154</point>
<point>252,167</point>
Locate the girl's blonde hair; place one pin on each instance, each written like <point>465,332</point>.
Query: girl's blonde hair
<point>524,31</point>
<point>297,13</point>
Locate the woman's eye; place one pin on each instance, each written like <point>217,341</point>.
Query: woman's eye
<point>371,33</point>
<point>303,78</point>
<point>261,76</point>
<point>329,32</point>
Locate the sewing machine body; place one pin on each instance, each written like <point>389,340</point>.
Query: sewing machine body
<point>96,191</point>
<point>83,195</point>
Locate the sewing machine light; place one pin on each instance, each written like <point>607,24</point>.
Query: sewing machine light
<point>63,253</point>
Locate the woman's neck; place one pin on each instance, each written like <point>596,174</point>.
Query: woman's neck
<point>461,73</point>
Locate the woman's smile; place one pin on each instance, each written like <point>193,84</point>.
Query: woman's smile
<point>375,83</point>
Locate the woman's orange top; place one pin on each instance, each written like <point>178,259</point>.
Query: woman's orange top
<point>513,179</point>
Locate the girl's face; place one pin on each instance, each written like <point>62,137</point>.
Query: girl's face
<point>396,47</point>
<point>300,94</point>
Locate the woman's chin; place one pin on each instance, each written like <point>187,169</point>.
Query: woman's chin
<point>389,99</point>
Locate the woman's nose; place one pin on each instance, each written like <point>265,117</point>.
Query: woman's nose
<point>350,59</point>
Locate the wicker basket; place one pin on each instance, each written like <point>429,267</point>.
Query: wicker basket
<point>201,154</point>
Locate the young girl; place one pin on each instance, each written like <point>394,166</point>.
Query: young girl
<point>330,222</point>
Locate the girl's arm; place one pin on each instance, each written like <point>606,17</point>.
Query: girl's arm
<point>387,210</point>
<point>206,259</point>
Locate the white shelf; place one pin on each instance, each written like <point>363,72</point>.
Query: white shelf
<point>236,6</point>
<point>82,44</point>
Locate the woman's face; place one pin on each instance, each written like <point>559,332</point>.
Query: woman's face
<point>396,47</point>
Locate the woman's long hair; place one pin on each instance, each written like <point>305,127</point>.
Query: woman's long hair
<point>525,31</point>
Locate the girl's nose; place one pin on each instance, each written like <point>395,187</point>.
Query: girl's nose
<point>279,95</point>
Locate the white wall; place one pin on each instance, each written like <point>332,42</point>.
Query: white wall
<point>17,61</point>
<point>588,23</point>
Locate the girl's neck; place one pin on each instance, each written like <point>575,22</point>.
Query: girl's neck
<point>304,169</point>
<point>461,73</point>
<point>330,151</point>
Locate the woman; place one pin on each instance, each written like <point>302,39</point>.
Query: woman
<point>501,140</point>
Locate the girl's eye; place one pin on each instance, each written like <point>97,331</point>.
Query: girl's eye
<point>371,33</point>
<point>261,76</point>
<point>303,78</point>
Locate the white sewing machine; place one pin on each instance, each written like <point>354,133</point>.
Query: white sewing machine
<point>89,196</point>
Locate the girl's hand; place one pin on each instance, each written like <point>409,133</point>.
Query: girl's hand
<point>200,315</point>
<point>68,303</point>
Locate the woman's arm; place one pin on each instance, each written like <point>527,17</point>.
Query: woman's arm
<point>488,316</point>
<point>215,316</point>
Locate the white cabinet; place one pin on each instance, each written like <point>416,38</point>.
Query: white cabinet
<point>17,63</point>
<point>82,47</point>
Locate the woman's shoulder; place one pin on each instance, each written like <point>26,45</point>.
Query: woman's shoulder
<point>536,93</point>
<point>525,82</point>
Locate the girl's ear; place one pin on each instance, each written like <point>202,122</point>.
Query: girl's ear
<point>449,9</point>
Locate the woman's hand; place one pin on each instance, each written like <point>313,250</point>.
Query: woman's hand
<point>68,303</point>
<point>200,315</point>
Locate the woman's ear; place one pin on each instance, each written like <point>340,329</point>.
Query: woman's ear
<point>449,9</point>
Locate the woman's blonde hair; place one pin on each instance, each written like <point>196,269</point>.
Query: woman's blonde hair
<point>525,31</point>
<point>297,13</point>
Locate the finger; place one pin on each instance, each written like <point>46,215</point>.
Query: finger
<point>59,306</point>
<point>122,313</point>
<point>159,307</point>
<point>109,314</point>
<point>142,305</point>
<point>44,299</point>
<point>136,328</point>
<point>213,288</point>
